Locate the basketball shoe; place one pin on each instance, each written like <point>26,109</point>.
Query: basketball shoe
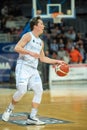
<point>6,115</point>
<point>34,121</point>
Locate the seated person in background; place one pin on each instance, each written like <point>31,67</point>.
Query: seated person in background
<point>66,57</point>
<point>53,46</point>
<point>54,55</point>
<point>63,54</point>
<point>75,56</point>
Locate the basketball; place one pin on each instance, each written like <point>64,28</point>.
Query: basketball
<point>62,69</point>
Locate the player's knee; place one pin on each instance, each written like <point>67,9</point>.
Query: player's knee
<point>19,94</point>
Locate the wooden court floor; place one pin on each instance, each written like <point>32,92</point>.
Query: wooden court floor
<point>64,102</point>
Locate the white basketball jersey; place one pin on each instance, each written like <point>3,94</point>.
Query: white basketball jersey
<point>34,45</point>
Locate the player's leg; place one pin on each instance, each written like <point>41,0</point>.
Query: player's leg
<point>36,85</point>
<point>21,83</point>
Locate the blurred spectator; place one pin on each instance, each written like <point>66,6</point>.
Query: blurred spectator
<point>54,55</point>
<point>80,46</point>
<point>55,31</point>
<point>70,34</point>
<point>66,57</point>
<point>75,56</point>
<point>47,38</point>
<point>61,43</point>
<point>62,53</point>
<point>78,36</point>
<point>10,23</point>
<point>4,11</point>
<point>80,42</point>
<point>19,30</point>
<point>3,22</point>
<point>53,46</point>
<point>82,52</point>
<point>69,45</point>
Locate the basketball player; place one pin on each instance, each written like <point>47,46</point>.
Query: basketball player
<point>30,49</point>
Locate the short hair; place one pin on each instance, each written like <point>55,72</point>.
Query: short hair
<point>34,21</point>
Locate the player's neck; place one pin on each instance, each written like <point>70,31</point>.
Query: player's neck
<point>35,33</point>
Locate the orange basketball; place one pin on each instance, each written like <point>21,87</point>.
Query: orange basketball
<point>62,69</point>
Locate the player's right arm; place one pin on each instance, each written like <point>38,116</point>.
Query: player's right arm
<point>20,46</point>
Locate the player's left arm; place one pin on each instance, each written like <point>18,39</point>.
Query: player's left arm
<point>46,59</point>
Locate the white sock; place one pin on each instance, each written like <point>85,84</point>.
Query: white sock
<point>11,106</point>
<point>33,112</point>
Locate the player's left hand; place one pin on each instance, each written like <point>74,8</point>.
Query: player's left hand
<point>60,62</point>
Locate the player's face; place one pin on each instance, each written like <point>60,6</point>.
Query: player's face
<point>40,26</point>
